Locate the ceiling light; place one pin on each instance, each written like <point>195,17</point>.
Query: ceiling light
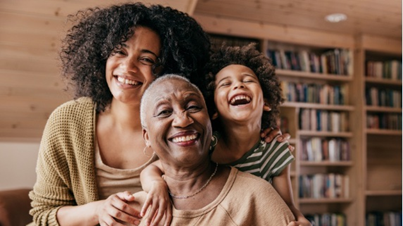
<point>336,17</point>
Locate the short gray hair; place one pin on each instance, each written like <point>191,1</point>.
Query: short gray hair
<point>156,82</point>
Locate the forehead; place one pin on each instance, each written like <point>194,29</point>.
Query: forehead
<point>172,89</point>
<point>235,69</point>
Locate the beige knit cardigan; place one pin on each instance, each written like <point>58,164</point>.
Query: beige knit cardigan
<point>66,166</point>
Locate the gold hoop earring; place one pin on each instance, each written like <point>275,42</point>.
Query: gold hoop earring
<point>145,151</point>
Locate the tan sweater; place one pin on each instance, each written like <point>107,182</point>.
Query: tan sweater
<point>245,200</point>
<point>66,162</point>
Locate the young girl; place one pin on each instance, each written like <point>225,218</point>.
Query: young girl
<point>243,96</point>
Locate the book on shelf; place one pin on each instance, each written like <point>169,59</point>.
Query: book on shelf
<point>317,149</point>
<point>218,40</point>
<point>383,97</point>
<point>319,185</point>
<point>336,61</point>
<point>387,218</point>
<point>323,120</point>
<point>391,69</point>
<point>389,121</point>
<point>328,219</point>
<point>314,93</point>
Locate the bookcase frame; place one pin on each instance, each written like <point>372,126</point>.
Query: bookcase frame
<point>356,205</point>
<point>381,150</point>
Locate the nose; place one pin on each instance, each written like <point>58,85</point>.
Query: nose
<point>238,85</point>
<point>182,120</point>
<point>129,65</point>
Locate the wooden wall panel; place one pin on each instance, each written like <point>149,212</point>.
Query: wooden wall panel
<point>30,83</point>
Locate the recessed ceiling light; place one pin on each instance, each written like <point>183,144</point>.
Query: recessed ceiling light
<point>336,17</point>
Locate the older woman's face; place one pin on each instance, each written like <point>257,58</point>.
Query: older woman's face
<point>178,125</point>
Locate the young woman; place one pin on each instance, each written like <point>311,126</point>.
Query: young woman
<point>92,148</point>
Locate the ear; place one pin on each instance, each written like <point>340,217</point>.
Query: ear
<point>146,138</point>
<point>266,106</point>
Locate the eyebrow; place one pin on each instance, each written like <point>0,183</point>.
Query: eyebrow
<point>243,73</point>
<point>142,51</point>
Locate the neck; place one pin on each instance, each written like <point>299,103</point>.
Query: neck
<point>125,116</point>
<point>184,183</point>
<point>236,140</point>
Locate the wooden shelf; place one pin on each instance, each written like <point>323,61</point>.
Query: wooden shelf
<point>383,81</point>
<point>324,133</point>
<point>383,109</point>
<point>310,75</point>
<point>318,106</point>
<point>383,192</point>
<point>324,200</point>
<point>326,163</point>
<point>383,132</point>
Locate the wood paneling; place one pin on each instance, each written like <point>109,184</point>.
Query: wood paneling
<point>31,30</point>
<point>364,16</point>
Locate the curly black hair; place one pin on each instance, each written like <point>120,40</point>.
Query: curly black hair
<point>250,57</point>
<point>96,32</point>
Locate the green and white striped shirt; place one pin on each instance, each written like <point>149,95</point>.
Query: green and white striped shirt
<point>265,160</point>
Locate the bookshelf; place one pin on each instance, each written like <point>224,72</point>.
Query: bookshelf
<point>324,94</point>
<point>375,179</point>
<point>379,132</point>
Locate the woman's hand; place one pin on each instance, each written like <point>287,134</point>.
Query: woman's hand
<point>270,133</point>
<point>115,210</point>
<point>157,204</point>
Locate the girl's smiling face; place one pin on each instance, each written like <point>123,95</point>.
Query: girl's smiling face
<point>238,95</point>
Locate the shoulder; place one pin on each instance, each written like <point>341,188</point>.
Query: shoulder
<point>262,198</point>
<point>73,107</point>
<point>82,109</point>
<point>275,145</point>
<point>71,120</point>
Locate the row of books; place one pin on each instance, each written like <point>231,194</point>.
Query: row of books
<point>218,40</point>
<point>391,69</point>
<point>336,61</point>
<point>323,120</point>
<point>383,97</point>
<point>324,186</point>
<point>389,218</point>
<point>390,121</point>
<point>327,219</point>
<point>325,149</point>
<point>313,93</point>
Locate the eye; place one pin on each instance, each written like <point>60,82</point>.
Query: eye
<point>224,84</point>
<point>163,113</point>
<point>147,61</point>
<point>118,51</point>
<point>193,108</point>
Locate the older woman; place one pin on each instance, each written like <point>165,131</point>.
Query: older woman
<point>177,127</point>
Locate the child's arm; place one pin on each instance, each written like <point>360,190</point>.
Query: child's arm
<point>282,184</point>
<point>157,195</point>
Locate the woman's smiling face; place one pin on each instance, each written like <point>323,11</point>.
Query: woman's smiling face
<point>129,68</point>
<point>178,127</point>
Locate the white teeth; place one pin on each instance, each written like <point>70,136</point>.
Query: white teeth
<point>240,97</point>
<point>126,81</point>
<point>184,138</point>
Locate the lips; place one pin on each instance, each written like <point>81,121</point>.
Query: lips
<point>240,99</point>
<point>185,138</point>
<point>126,81</point>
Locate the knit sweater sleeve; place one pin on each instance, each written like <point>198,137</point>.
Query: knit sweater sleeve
<point>59,167</point>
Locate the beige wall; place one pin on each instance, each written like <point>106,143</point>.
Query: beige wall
<point>17,164</point>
